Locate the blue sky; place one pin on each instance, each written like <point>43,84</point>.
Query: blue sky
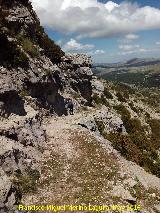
<point>109,31</point>
<point>153,3</point>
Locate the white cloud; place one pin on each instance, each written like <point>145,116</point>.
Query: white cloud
<point>90,18</point>
<point>158,43</point>
<point>143,50</point>
<point>131,37</point>
<point>110,5</point>
<point>73,45</point>
<point>99,52</point>
<point>96,52</point>
<point>128,47</point>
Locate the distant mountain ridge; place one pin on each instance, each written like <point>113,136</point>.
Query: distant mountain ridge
<point>135,62</point>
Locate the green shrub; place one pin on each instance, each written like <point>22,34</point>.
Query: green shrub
<point>138,146</point>
<point>100,126</point>
<point>155,126</point>
<point>24,93</point>
<point>107,94</point>
<point>76,95</point>
<point>104,101</point>
<point>96,99</point>
<point>123,111</point>
<point>26,183</point>
<point>133,125</point>
<point>29,47</point>
<point>126,89</point>
<point>20,59</point>
<point>120,97</point>
<point>51,50</point>
<point>100,100</point>
<point>133,107</point>
<point>48,72</point>
<point>126,147</point>
<point>134,148</point>
<point>155,137</point>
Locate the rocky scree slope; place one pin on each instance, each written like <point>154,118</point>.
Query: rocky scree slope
<point>34,74</point>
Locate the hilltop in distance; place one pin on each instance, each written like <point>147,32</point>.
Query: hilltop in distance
<point>135,62</point>
<point>107,153</point>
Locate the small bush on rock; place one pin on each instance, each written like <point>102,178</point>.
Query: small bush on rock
<point>133,107</point>
<point>100,126</point>
<point>107,94</point>
<point>29,47</point>
<point>120,97</point>
<point>24,93</point>
<point>97,99</point>
<point>123,111</point>
<point>51,50</point>
<point>20,59</point>
<point>133,125</point>
<point>26,183</point>
<point>100,100</point>
<point>155,127</point>
<point>48,72</point>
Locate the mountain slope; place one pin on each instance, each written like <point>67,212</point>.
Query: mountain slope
<point>50,157</point>
<point>34,72</point>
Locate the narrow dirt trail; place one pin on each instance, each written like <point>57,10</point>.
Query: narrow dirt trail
<point>55,126</point>
<point>74,165</point>
<point>58,153</point>
<point>78,167</point>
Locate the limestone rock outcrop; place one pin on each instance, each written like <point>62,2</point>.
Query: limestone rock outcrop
<point>35,76</point>
<point>77,75</point>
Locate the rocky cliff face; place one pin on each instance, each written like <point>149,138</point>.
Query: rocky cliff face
<point>34,75</point>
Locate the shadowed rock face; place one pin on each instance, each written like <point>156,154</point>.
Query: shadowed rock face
<point>77,72</point>
<point>22,57</point>
<point>47,96</point>
<point>25,71</point>
<point>13,103</point>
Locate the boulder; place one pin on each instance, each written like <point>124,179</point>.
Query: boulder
<point>5,186</point>
<point>119,191</point>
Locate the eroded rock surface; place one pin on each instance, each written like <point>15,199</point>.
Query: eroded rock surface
<point>34,72</point>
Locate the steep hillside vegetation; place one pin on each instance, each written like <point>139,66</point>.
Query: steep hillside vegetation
<point>141,119</point>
